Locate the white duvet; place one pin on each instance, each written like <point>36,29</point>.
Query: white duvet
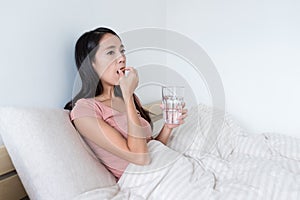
<point>206,160</point>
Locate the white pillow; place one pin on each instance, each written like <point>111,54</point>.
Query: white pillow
<point>51,158</point>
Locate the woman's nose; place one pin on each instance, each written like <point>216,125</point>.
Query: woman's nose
<point>121,58</point>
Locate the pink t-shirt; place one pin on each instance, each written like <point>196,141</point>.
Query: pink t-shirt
<point>92,108</point>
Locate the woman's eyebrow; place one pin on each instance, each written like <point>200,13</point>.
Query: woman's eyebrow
<point>110,47</point>
<point>113,47</point>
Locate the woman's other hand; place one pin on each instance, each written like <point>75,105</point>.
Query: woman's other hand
<point>181,118</point>
<point>166,130</point>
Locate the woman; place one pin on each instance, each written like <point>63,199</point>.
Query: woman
<point>106,111</point>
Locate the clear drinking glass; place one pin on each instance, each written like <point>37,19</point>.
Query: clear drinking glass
<point>172,100</point>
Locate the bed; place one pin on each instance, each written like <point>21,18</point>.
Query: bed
<point>10,185</point>
<point>53,162</point>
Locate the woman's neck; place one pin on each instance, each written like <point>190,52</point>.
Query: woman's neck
<point>107,94</point>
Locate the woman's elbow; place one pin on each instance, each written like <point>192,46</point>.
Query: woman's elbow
<point>147,160</point>
<point>143,160</point>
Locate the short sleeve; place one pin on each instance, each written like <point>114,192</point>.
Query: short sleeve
<point>85,108</point>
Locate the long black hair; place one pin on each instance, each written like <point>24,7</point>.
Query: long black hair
<point>85,50</point>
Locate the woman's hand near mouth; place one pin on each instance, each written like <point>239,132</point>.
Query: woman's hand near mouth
<point>128,83</point>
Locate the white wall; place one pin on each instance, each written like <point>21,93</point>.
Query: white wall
<point>255,46</point>
<point>38,37</point>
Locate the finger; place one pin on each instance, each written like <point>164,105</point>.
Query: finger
<point>132,71</point>
<point>184,111</point>
<point>183,104</point>
<point>129,68</point>
<point>121,75</point>
<point>121,70</point>
<point>182,121</point>
<point>182,116</point>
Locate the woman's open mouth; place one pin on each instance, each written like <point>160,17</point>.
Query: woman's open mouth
<point>121,69</point>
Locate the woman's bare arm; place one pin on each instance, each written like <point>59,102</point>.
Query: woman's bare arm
<point>164,134</point>
<point>166,130</point>
<point>133,149</point>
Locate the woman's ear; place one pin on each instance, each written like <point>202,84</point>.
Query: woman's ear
<point>93,64</point>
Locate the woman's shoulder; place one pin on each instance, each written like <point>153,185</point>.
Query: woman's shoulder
<point>87,107</point>
<point>87,102</point>
<point>84,100</point>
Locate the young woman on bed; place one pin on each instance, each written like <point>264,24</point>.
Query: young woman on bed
<point>106,111</point>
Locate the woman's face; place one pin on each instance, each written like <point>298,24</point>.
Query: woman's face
<point>109,58</point>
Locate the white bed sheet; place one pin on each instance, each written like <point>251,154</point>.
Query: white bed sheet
<point>238,166</point>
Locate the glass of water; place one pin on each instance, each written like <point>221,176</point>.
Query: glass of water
<point>172,100</point>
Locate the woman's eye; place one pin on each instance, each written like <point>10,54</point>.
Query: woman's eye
<point>123,51</point>
<point>110,52</point>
